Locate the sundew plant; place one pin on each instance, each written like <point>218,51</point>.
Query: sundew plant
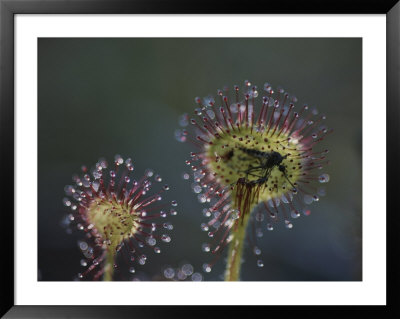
<point>256,159</point>
<point>118,215</point>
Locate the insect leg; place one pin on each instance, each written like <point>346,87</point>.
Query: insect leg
<point>283,170</point>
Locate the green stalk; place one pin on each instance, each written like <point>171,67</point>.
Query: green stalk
<point>109,263</point>
<point>235,251</point>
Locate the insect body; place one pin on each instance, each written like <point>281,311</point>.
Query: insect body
<point>267,161</point>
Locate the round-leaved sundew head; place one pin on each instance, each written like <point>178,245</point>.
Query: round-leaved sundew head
<point>253,152</point>
<point>117,215</point>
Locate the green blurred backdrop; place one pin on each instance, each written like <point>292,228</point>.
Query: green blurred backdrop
<point>101,97</point>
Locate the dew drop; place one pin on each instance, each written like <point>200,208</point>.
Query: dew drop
<point>166,187</point>
<point>165,238</point>
<point>69,190</point>
<point>187,269</point>
<point>168,226</point>
<point>80,276</point>
<point>88,253</point>
<point>180,275</point>
<point>211,114</point>
<point>173,212</point>
<point>185,176</point>
<point>197,189</point>
<point>206,212</point>
<point>270,227</point>
<point>184,120</point>
<point>118,159</point>
<point>308,199</point>
<point>174,203</point>
<point>142,260</point>
<point>153,227</point>
<point>207,267</point>
<point>129,164</point>
<point>163,213</point>
<point>324,178</point>
<point>169,273</point>
<point>67,202</point>
<point>306,212</point>
<point>256,251</point>
<point>158,178</point>
<point>157,250</point>
<point>83,262</point>
<point>288,224</point>
<point>151,241</point>
<point>259,217</point>
<point>202,198</point>
<point>197,277</point>
<point>96,175</point>
<point>294,214</point>
<point>83,245</point>
<point>260,263</point>
<point>132,270</point>
<point>205,247</point>
<point>204,227</point>
<point>272,215</point>
<point>149,172</point>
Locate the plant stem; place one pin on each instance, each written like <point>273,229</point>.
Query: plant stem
<point>109,263</point>
<point>235,251</point>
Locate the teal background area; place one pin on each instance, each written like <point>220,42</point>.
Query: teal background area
<point>101,97</point>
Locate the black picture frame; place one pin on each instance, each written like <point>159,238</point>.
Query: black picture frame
<point>8,10</point>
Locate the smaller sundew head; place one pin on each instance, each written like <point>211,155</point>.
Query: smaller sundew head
<point>118,214</point>
<point>254,149</point>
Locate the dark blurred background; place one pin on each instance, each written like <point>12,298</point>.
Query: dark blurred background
<point>101,97</point>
